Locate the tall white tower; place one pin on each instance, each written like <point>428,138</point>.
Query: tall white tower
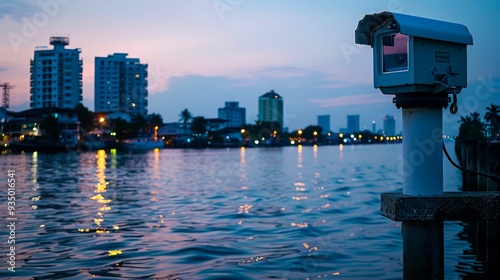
<point>56,76</point>
<point>271,108</point>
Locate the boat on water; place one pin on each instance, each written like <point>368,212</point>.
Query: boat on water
<point>141,144</point>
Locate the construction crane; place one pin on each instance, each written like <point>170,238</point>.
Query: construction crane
<point>6,94</point>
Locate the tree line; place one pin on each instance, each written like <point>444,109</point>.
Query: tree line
<point>138,126</point>
<point>473,128</point>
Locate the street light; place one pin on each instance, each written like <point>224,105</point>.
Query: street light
<point>242,131</point>
<point>102,121</point>
<point>299,132</point>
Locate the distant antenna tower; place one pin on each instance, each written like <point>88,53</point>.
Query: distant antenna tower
<point>6,94</point>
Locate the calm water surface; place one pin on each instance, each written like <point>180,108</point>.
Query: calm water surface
<point>284,213</point>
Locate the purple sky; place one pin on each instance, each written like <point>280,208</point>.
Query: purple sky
<point>203,53</point>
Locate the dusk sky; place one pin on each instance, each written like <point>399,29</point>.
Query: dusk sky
<point>205,52</point>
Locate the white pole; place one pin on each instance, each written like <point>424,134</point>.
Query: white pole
<point>422,151</point>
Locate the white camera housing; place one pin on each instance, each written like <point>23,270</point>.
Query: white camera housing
<point>415,55</point>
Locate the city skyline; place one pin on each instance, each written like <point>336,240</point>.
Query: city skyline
<point>214,51</point>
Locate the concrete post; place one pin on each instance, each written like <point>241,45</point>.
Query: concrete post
<point>422,176</point>
<point>422,151</point>
<point>423,250</point>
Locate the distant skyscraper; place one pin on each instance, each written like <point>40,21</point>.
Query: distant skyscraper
<point>374,127</point>
<point>353,123</point>
<point>120,84</point>
<point>324,123</point>
<point>235,115</point>
<point>389,125</point>
<point>56,76</point>
<point>271,108</point>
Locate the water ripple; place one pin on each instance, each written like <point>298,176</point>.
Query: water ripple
<point>284,213</point>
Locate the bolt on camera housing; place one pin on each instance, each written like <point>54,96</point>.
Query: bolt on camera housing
<point>417,59</point>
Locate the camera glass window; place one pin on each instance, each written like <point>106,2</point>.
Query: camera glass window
<point>395,53</point>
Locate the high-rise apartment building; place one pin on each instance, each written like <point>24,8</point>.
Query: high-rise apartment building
<point>324,123</point>
<point>233,113</point>
<point>271,108</point>
<point>120,85</point>
<point>353,123</point>
<point>390,125</point>
<point>56,76</point>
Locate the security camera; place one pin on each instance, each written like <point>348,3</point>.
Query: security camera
<point>415,55</point>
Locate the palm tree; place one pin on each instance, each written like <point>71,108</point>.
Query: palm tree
<point>472,127</point>
<point>155,119</point>
<point>199,125</point>
<point>493,117</point>
<point>85,117</point>
<point>139,124</point>
<point>185,116</point>
<point>199,129</point>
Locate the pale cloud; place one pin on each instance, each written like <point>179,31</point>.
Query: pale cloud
<point>352,100</point>
<point>17,9</point>
<point>196,60</point>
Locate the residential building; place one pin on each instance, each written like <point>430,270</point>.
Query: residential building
<point>120,85</point>
<point>56,76</point>
<point>214,124</point>
<point>324,123</point>
<point>175,129</point>
<point>353,123</point>
<point>390,125</point>
<point>271,108</point>
<point>233,114</point>
<point>39,122</point>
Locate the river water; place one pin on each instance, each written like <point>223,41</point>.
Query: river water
<point>270,213</point>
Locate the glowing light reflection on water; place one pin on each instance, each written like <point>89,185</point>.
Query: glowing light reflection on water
<point>294,212</point>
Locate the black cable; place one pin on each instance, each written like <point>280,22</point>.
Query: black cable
<point>492,176</point>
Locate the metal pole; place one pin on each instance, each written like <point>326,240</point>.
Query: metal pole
<point>422,152</point>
